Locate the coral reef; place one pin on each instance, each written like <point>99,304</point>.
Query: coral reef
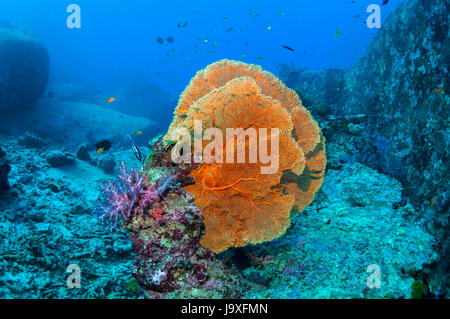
<point>165,228</point>
<point>119,198</point>
<point>240,204</point>
<point>324,253</point>
<point>385,202</point>
<point>46,224</point>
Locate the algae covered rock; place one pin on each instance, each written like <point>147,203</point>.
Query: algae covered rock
<point>353,225</point>
<point>108,163</point>
<point>24,69</point>
<point>59,159</point>
<point>83,153</point>
<point>402,85</point>
<point>30,140</point>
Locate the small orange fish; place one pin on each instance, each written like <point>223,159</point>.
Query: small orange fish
<point>100,150</point>
<point>138,133</point>
<point>182,110</point>
<point>111,99</point>
<point>438,90</point>
<point>432,203</point>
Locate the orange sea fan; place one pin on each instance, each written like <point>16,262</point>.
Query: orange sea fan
<point>218,74</point>
<point>305,186</point>
<point>244,205</point>
<point>306,130</point>
<point>239,204</point>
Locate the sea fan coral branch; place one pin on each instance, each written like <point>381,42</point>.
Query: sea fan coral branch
<point>239,204</point>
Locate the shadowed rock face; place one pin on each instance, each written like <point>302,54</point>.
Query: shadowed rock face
<point>402,86</point>
<point>5,168</point>
<point>24,69</point>
<point>397,83</point>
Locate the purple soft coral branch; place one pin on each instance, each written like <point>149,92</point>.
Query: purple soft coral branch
<point>130,194</point>
<point>120,197</point>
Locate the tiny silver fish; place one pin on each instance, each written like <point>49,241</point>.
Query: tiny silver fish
<point>135,150</point>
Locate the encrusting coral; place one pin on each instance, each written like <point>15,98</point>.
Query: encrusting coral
<point>165,228</point>
<point>241,205</point>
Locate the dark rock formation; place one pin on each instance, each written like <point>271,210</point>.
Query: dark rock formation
<point>108,163</point>
<point>134,98</point>
<point>319,91</point>
<point>397,83</point>
<point>24,69</point>
<point>59,159</point>
<point>402,86</point>
<point>30,140</point>
<point>5,168</point>
<point>83,153</point>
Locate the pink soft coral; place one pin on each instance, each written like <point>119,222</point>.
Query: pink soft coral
<point>130,195</point>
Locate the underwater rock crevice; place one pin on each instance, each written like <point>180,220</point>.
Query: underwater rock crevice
<point>5,168</point>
